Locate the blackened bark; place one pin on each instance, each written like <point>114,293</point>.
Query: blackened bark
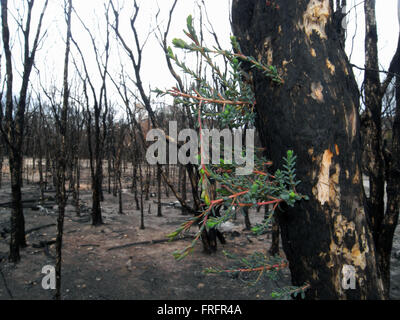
<point>78,186</point>
<point>148,180</point>
<point>167,189</point>
<point>247,221</point>
<point>135,190</point>
<point>390,221</point>
<point>1,164</point>
<point>62,158</point>
<point>97,219</point>
<point>142,227</point>
<point>16,190</point>
<point>379,159</point>
<point>180,179</point>
<point>274,249</point>
<point>209,240</point>
<point>118,172</point>
<point>183,188</point>
<point>15,118</point>
<point>159,171</point>
<point>371,123</point>
<point>109,174</point>
<point>97,178</point>
<point>40,162</point>
<point>17,239</point>
<point>119,188</point>
<point>315,113</point>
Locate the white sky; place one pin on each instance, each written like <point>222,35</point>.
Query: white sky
<point>50,58</point>
<point>154,71</point>
<point>388,32</point>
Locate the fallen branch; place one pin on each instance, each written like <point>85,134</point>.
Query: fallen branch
<point>84,219</point>
<point>5,232</point>
<point>169,204</point>
<point>9,204</point>
<point>43,244</point>
<point>40,228</point>
<point>148,242</point>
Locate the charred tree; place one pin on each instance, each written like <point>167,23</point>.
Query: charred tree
<point>13,132</point>
<point>159,171</point>
<point>274,249</point>
<point>100,111</point>
<point>118,164</point>
<point>371,123</point>
<point>392,166</point>
<point>62,155</point>
<point>315,113</point>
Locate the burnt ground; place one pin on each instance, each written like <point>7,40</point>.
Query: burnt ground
<point>91,271</point>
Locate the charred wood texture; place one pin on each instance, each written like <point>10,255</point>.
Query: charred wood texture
<point>371,123</point>
<point>315,113</point>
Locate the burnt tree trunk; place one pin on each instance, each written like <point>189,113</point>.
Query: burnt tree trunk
<point>247,221</point>
<point>159,171</point>
<point>274,249</point>
<point>15,117</point>
<point>77,186</point>
<point>109,174</point>
<point>40,160</point>
<point>62,158</point>
<point>167,189</point>
<point>391,218</point>
<point>183,188</point>
<point>97,176</point>
<point>118,170</point>
<point>17,239</point>
<point>371,123</point>
<point>134,159</point>
<point>142,227</point>
<point>392,162</point>
<point>315,113</point>
<point>134,185</point>
<point>1,163</point>
<point>148,181</point>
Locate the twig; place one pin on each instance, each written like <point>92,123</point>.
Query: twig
<point>148,242</point>
<point>43,244</point>
<point>30,230</point>
<point>39,228</point>
<point>175,92</point>
<point>262,268</point>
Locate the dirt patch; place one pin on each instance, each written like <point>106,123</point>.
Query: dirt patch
<point>149,271</point>
<point>91,271</point>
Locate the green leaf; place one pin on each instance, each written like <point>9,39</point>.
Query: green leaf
<point>189,22</point>
<point>179,43</point>
<point>254,188</point>
<point>275,295</point>
<point>211,223</point>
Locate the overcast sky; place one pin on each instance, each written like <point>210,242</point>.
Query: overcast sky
<point>388,32</point>
<point>155,70</point>
<point>49,60</point>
